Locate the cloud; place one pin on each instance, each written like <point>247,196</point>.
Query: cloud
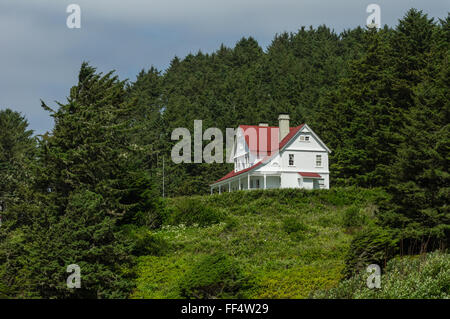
<point>40,56</point>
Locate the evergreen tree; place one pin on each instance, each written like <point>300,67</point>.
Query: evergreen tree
<point>17,149</point>
<point>361,118</point>
<point>86,187</point>
<point>420,182</point>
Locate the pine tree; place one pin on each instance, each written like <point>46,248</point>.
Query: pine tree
<point>420,182</point>
<point>86,187</point>
<point>17,149</point>
<point>361,117</point>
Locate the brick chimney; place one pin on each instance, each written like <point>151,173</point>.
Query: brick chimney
<point>283,120</point>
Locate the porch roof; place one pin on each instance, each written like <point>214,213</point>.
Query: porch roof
<point>310,175</point>
<point>233,173</point>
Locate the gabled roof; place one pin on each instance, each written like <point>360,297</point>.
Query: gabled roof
<point>286,139</point>
<point>271,132</point>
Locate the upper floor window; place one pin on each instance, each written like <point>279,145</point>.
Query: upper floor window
<point>318,160</point>
<point>304,138</point>
<point>291,159</point>
<point>246,159</point>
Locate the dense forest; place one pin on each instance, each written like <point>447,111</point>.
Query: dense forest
<point>88,191</point>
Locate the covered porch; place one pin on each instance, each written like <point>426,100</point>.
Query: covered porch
<point>248,181</point>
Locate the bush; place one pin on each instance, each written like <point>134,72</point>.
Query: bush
<point>374,245</point>
<point>213,276</point>
<point>294,283</point>
<point>144,242</point>
<point>158,277</point>
<point>295,228</point>
<point>293,225</point>
<point>191,211</point>
<point>230,223</point>
<point>410,277</point>
<point>352,217</point>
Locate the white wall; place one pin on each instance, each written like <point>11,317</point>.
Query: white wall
<point>304,161</point>
<point>289,180</point>
<point>273,181</point>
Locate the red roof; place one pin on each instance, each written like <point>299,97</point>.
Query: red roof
<point>270,151</point>
<point>233,173</point>
<point>306,174</point>
<point>264,136</point>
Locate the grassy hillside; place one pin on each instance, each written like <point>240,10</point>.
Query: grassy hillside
<point>284,243</point>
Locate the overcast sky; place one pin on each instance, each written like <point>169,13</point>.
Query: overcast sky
<point>40,57</point>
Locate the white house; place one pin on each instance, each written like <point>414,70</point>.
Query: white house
<point>276,157</point>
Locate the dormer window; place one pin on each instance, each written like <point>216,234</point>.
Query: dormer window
<point>304,138</point>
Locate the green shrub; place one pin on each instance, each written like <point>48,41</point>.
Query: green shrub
<point>295,283</point>
<point>295,228</point>
<point>158,277</point>
<point>352,217</point>
<point>410,277</point>
<point>374,245</point>
<point>192,211</point>
<point>230,223</point>
<point>144,242</point>
<point>293,225</point>
<point>213,276</point>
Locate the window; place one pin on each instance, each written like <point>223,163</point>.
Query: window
<point>318,160</point>
<point>257,183</point>
<point>304,138</point>
<point>291,159</point>
<point>246,159</point>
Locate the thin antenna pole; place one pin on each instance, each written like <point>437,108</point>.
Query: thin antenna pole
<point>163,175</point>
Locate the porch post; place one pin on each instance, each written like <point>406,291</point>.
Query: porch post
<point>211,190</point>
<point>248,181</point>
<point>220,188</point>
<point>239,183</point>
<point>265,181</point>
<point>229,186</point>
